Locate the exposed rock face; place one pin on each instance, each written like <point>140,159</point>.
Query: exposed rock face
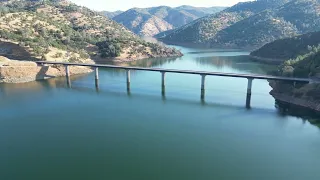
<point>12,71</point>
<point>301,95</point>
<point>313,105</point>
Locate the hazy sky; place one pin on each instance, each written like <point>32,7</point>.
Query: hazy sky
<point>113,5</point>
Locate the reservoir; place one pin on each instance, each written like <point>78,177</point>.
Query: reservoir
<point>50,131</point>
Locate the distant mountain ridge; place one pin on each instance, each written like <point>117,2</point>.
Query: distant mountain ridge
<point>251,24</point>
<point>154,20</point>
<point>111,15</point>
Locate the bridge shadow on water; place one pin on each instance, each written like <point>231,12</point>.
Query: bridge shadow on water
<point>282,110</point>
<point>151,96</point>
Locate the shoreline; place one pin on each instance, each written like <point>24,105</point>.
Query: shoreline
<point>297,102</point>
<point>206,45</point>
<point>267,60</point>
<point>23,71</point>
<point>119,60</point>
<point>13,71</point>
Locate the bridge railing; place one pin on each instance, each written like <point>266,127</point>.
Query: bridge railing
<point>163,72</point>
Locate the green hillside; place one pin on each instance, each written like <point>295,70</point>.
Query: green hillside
<point>301,58</point>
<point>252,24</point>
<point>255,31</point>
<point>53,30</point>
<point>289,48</point>
<point>205,29</point>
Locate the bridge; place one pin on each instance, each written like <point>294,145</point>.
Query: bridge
<point>163,72</point>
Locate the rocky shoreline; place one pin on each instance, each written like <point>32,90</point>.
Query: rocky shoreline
<point>285,98</point>
<point>297,100</point>
<point>13,71</point>
<point>19,71</point>
<point>308,104</point>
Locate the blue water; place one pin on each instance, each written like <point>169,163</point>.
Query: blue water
<point>50,131</point>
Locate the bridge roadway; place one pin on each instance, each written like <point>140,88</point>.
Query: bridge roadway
<point>203,74</point>
<point>253,76</point>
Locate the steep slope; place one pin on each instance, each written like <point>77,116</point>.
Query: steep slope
<point>289,48</point>
<point>260,22</point>
<point>173,16</point>
<point>295,17</point>
<point>205,29</point>
<point>55,30</point>
<point>305,14</point>
<point>303,60</point>
<point>151,21</point>
<point>141,22</point>
<point>254,31</point>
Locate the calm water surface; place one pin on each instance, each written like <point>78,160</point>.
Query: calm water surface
<point>49,131</point>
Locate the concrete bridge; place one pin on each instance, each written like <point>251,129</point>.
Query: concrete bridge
<point>163,72</point>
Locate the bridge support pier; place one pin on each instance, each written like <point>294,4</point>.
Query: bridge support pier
<point>68,76</point>
<point>249,92</point>
<point>128,80</point>
<point>163,83</point>
<point>67,71</point>
<point>96,77</point>
<point>203,82</point>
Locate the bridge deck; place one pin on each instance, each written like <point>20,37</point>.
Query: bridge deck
<point>248,76</point>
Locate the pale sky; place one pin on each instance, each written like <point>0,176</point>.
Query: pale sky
<point>113,5</point>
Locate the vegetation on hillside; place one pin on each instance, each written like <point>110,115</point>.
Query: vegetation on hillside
<point>151,21</point>
<point>255,31</point>
<point>290,48</point>
<point>62,30</point>
<point>305,65</point>
<point>252,24</point>
<point>308,66</point>
<point>205,29</point>
<point>302,54</point>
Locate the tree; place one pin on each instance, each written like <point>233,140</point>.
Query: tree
<point>83,54</point>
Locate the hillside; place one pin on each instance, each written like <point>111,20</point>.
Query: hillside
<point>252,24</point>
<point>255,31</point>
<point>55,30</point>
<point>289,48</point>
<point>200,11</point>
<point>142,22</point>
<point>205,29</point>
<point>304,95</point>
<point>151,21</point>
<point>302,54</point>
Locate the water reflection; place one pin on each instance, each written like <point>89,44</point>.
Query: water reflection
<point>10,90</point>
<point>154,62</point>
<point>109,77</point>
<point>305,114</point>
<point>239,63</point>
